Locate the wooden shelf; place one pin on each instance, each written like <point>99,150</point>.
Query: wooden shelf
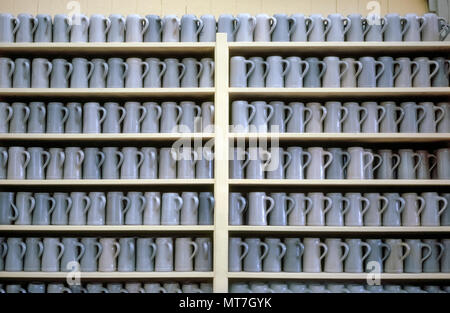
<point>105,275</point>
<point>102,138</point>
<point>144,49</point>
<point>106,182</point>
<point>341,182</point>
<point>339,276</point>
<point>348,137</point>
<point>110,229</point>
<point>89,94</point>
<point>350,94</point>
<point>340,48</point>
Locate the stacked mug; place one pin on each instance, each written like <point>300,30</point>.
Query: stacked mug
<point>105,163</point>
<point>113,287</point>
<point>111,73</point>
<point>242,27</point>
<point>340,117</point>
<point>89,254</point>
<point>112,208</point>
<point>336,255</point>
<point>335,209</point>
<point>111,117</point>
<point>334,72</point>
<point>262,162</point>
<point>335,287</point>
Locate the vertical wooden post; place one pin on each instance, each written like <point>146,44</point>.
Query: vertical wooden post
<point>221,164</point>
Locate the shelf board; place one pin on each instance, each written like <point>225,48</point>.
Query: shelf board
<point>347,137</point>
<point>116,229</point>
<point>339,276</point>
<point>338,230</point>
<point>145,49</point>
<point>351,94</point>
<point>105,275</point>
<point>341,182</point>
<point>149,94</point>
<point>106,182</point>
<point>339,48</point>
<point>102,138</point>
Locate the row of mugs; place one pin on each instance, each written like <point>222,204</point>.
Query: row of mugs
<point>336,27</point>
<point>336,209</point>
<point>111,117</point>
<point>105,163</point>
<point>337,163</point>
<point>335,72</point>
<point>166,254</point>
<point>339,287</point>
<point>243,27</point>
<point>334,255</point>
<point>127,287</point>
<point>111,73</point>
<point>338,117</point>
<point>112,208</point>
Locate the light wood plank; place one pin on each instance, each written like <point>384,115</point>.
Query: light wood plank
<point>177,7</point>
<point>346,7</point>
<point>323,7</point>
<point>145,7</point>
<point>105,182</point>
<point>248,6</point>
<point>105,229</point>
<point>364,9</point>
<point>124,7</point>
<point>25,6</point>
<point>7,6</point>
<point>339,276</point>
<point>363,183</point>
<point>198,7</point>
<point>286,6</point>
<point>100,7</point>
<point>412,6</point>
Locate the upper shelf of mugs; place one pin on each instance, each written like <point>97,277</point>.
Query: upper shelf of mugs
<point>430,48</point>
<point>59,49</point>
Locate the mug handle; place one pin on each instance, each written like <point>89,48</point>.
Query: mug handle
<point>4,249</point>
<point>328,205</point>
<point>128,205</point>
<point>252,21</point>
<point>117,246</point>
<point>180,203</point>
<point>105,70</point>
<point>12,67</point>
<point>146,69</point>
<point>370,157</point>
<point>5,158</point>
<point>144,202</point>
<point>183,70</point>
<point>62,158</point>
<point>359,67</point>
<point>86,23</point>
<point>43,112</point>
<point>388,251</point>
<point>380,161</point>
<point>444,207</point>
<point>237,25</point>
<point>270,114</point>
<point>346,250</point>
<point>82,250</point>
<point>399,69</point>
<point>163,69</point>
<point>200,26</point>
<point>99,250</point>
<point>344,114</point>
<point>23,247</point>
<point>194,253</point>
<point>290,207</point>
<point>325,250</point>
<point>382,114</point>
<point>9,114</point>
<point>101,158</point>
<point>327,24</point>
<point>433,165</point>
<point>440,117</point>
<point>120,156</point>
<point>368,250</point>
<point>348,25</point>
<point>46,155</point>
<point>308,24</point>
<point>141,158</point>
<point>287,68</point>
<point>123,113</point>
<point>363,115</point>
<point>66,114</point>
<point>35,24</point>
<point>200,69</point>
<point>69,70</point>
<point>415,70</point>
<point>271,206</point>
<point>308,117</point>
<point>145,25</point>
<point>61,251</point>
<point>402,115</point>
<point>27,114</point>
<point>330,159</point>
<point>367,202</point>
<point>40,248</point>
<point>406,25</point>
<point>180,113</point>
<point>124,24</point>
<point>242,202</point>
<point>88,204</point>
<point>420,117</point>
<point>91,69</point>
<point>292,26</point>
<point>266,250</point>
<point>324,113</point>
<point>408,251</point>
<point>49,67</point>
<point>309,205</point>
<point>418,160</point>
<point>244,254</point>
<point>306,69</point>
<point>381,65</point>
<point>402,204</point>
<point>324,68</point>
<point>252,113</point>
<point>27,158</point>
<point>125,70</point>
<point>346,66</point>
<point>103,114</point>
<point>397,163</point>
<point>32,204</point>
<point>107,25</point>
<point>153,253</point>
<point>428,254</point>
<point>441,253</point>
<point>246,160</point>
<point>345,205</point>
<point>308,159</point>
<point>436,68</point>
<point>252,68</point>
<point>143,114</point>
<point>69,204</point>
<point>15,215</point>
<point>16,22</point>
<point>288,156</point>
<point>282,250</point>
<point>273,24</point>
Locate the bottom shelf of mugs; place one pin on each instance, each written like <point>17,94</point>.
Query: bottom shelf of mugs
<point>340,276</point>
<point>104,275</point>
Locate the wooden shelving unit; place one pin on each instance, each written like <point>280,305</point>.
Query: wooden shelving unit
<point>221,94</point>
